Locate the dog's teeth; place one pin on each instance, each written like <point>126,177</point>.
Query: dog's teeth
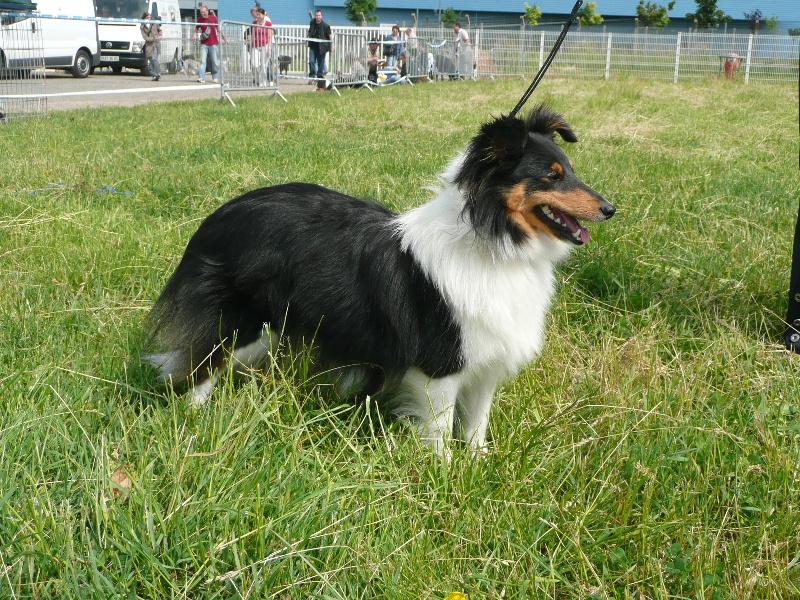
<point>546,210</point>
<point>576,235</point>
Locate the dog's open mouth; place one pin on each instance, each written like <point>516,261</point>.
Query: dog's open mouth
<point>561,224</point>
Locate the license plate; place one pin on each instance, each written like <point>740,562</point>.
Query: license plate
<point>111,58</point>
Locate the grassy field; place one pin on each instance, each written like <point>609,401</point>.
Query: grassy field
<point>652,452</point>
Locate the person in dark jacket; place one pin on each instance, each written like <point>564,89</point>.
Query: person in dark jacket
<point>318,30</point>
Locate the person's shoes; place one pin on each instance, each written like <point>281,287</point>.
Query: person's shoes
<point>201,81</point>
<point>215,81</point>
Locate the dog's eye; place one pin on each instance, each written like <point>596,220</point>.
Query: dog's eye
<point>555,175</point>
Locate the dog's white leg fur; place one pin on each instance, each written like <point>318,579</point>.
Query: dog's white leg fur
<point>198,394</point>
<point>244,358</point>
<point>475,402</point>
<point>431,403</point>
<point>252,355</point>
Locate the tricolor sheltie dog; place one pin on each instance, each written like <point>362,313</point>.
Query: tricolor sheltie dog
<point>429,310</point>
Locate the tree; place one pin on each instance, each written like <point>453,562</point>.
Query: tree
<point>532,14</point>
<point>771,23</point>
<point>450,16</point>
<point>757,19</point>
<point>654,15</point>
<point>358,11</point>
<point>754,19</point>
<point>587,17</point>
<point>708,15</point>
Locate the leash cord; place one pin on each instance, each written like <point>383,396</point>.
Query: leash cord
<point>550,57</point>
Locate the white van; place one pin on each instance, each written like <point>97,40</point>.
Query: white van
<point>121,43</point>
<point>66,43</point>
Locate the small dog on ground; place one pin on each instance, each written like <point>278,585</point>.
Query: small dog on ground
<point>284,62</point>
<point>429,310</point>
<point>190,66</point>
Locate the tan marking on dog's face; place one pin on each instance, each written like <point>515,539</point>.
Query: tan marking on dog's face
<point>578,203</point>
<point>520,211</point>
<point>555,170</point>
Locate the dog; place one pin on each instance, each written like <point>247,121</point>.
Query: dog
<point>190,66</point>
<point>429,309</point>
<point>284,62</point>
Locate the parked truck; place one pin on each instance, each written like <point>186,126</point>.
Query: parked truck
<point>58,34</point>
<point>121,43</point>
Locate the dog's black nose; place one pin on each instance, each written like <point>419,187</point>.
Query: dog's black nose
<point>608,210</point>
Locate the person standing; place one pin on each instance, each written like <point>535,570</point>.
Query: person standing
<point>319,44</point>
<point>208,31</point>
<point>151,33</point>
<point>464,57</point>
<point>393,47</point>
<point>462,37</point>
<point>260,50</point>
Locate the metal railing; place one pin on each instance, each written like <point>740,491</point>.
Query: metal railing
<point>248,58</point>
<point>431,52</point>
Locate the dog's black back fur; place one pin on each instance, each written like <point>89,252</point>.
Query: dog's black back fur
<point>238,269</point>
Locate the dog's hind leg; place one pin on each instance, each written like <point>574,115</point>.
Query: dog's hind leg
<point>198,394</point>
<point>243,359</point>
<point>253,354</point>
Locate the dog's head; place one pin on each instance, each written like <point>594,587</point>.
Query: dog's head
<point>518,183</point>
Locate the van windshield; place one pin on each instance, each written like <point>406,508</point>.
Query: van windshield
<point>121,9</point>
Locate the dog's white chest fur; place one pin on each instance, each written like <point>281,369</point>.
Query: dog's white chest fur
<point>499,294</point>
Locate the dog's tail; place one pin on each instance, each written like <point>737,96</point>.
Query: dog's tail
<point>187,328</point>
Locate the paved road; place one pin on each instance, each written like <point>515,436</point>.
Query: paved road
<point>104,88</point>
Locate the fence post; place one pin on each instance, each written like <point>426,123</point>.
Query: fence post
<point>608,56</point>
<point>749,57</point>
<point>541,50</point>
<point>677,58</point>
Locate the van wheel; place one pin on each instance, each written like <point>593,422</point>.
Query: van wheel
<point>83,64</point>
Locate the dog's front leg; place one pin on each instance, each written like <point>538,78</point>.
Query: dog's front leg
<point>474,405</point>
<point>432,404</point>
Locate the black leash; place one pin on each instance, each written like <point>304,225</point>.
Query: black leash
<point>550,58</point>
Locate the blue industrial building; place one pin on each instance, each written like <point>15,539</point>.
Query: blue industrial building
<point>618,15</point>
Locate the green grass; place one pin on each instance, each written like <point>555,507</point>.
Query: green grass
<point>652,452</point>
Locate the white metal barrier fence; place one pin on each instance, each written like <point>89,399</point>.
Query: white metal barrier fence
<point>415,51</point>
<point>22,83</point>
<point>248,59</point>
<point>429,53</point>
<point>670,57</point>
<point>348,61</point>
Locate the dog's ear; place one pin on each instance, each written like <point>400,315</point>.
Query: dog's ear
<point>498,147</point>
<point>547,122</point>
<point>502,139</point>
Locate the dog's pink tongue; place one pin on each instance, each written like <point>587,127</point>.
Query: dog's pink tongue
<point>578,232</point>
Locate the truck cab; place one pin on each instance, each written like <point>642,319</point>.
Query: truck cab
<point>121,43</point>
